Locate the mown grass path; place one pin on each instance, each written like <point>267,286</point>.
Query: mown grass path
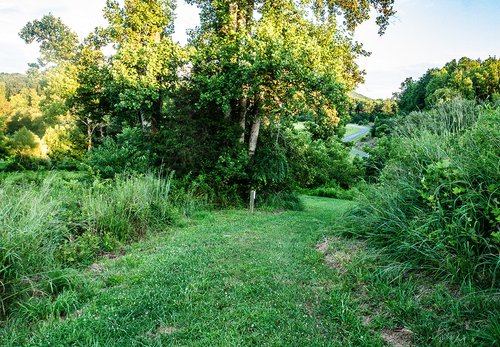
<point>228,279</point>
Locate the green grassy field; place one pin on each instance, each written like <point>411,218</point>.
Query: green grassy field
<point>229,278</point>
<point>299,125</point>
<point>350,130</point>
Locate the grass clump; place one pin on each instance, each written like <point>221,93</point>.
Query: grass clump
<point>281,201</point>
<point>436,203</point>
<point>334,191</point>
<point>52,223</point>
<point>127,207</point>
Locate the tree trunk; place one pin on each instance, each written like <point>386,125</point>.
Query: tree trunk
<point>89,134</point>
<point>243,118</point>
<point>254,135</point>
<point>254,130</point>
<point>156,116</point>
<point>227,113</point>
<point>140,118</point>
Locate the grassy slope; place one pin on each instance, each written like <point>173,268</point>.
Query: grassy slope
<point>230,278</point>
<point>350,130</point>
<point>355,95</point>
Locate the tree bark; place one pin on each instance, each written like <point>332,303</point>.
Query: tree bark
<point>243,118</point>
<point>254,130</point>
<point>89,138</point>
<point>254,135</point>
<point>156,116</point>
<point>90,132</point>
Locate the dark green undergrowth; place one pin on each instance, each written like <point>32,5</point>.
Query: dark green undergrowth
<point>436,202</point>
<point>334,191</point>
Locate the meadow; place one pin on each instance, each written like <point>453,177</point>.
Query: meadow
<point>272,278</point>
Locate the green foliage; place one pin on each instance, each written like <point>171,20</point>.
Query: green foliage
<point>249,69</point>
<point>128,153</point>
<point>315,163</point>
<point>25,144</point>
<point>12,84</point>
<point>469,79</point>
<point>333,191</point>
<point>50,222</point>
<point>436,203</point>
<point>57,41</point>
<point>364,110</point>
<point>24,111</point>
<point>270,168</point>
<point>280,201</point>
<point>4,142</point>
<point>144,66</point>
<point>64,142</point>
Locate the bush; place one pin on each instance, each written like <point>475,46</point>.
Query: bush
<point>128,153</point>
<point>333,191</point>
<point>284,200</point>
<point>436,203</point>
<point>25,143</point>
<point>64,143</point>
<point>315,163</point>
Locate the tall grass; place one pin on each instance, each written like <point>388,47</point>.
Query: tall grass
<point>436,203</point>
<point>56,223</point>
<point>128,209</point>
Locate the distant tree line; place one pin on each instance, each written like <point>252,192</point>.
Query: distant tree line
<point>466,78</point>
<point>463,79</point>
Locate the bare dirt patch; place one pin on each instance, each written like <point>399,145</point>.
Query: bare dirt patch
<point>162,330</point>
<point>338,260</point>
<point>109,255</point>
<point>400,337</point>
<point>322,247</point>
<point>339,252</point>
<point>279,211</point>
<point>97,268</point>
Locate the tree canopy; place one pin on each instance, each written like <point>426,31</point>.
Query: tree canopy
<point>466,78</point>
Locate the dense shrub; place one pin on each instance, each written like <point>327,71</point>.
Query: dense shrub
<point>25,143</point>
<point>127,153</point>
<point>315,163</point>
<point>64,142</point>
<point>284,200</point>
<point>21,163</point>
<point>436,203</point>
<point>333,191</point>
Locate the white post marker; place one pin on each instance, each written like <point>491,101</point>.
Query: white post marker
<point>253,194</point>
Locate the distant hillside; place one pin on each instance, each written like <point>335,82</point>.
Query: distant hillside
<point>358,96</point>
<point>14,82</point>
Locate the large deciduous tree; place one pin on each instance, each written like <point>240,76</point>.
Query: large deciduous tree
<point>265,62</point>
<point>57,41</point>
<point>144,66</point>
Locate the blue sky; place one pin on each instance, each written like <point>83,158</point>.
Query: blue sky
<point>424,34</point>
